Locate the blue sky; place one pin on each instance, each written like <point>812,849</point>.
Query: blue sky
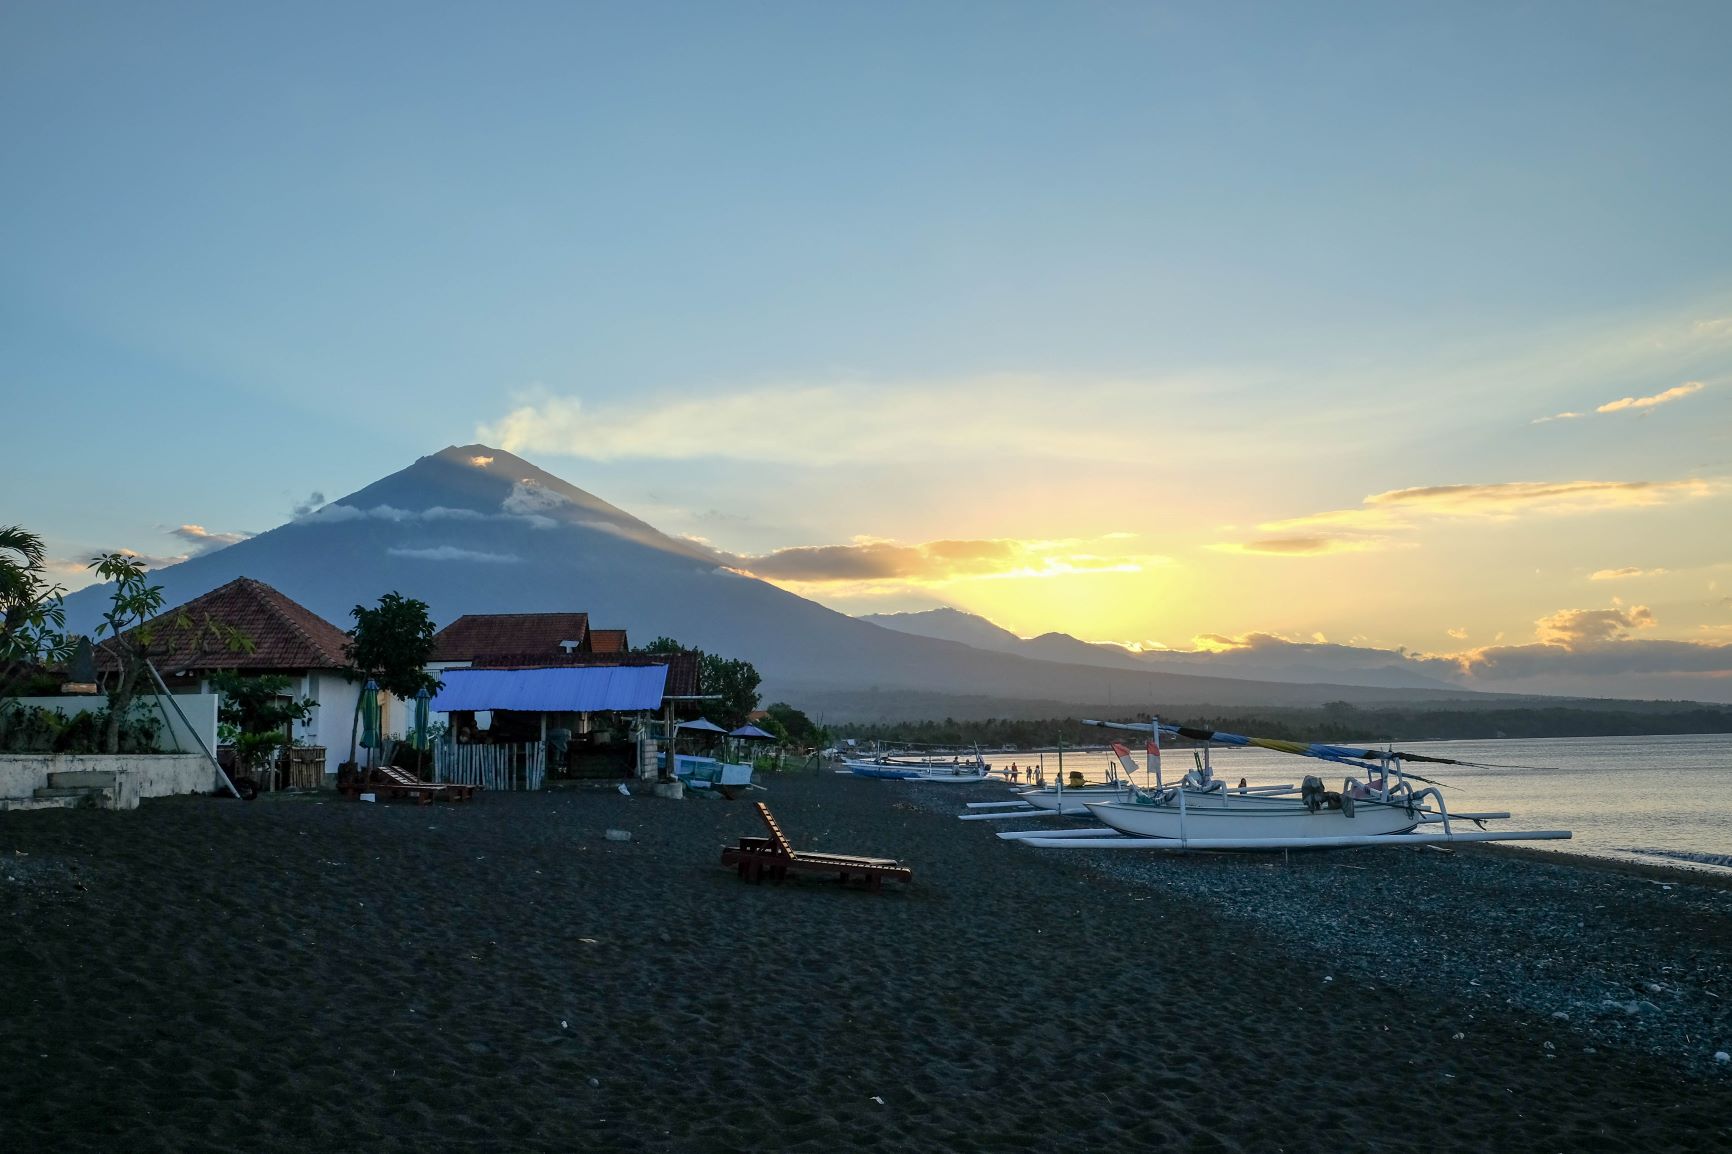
<point>1174,270</point>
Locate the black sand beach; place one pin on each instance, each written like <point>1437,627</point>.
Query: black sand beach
<point>298,975</point>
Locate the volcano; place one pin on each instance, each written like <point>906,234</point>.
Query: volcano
<point>472,529</point>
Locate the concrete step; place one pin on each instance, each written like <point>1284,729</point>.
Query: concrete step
<point>20,804</point>
<point>76,798</point>
<point>82,779</point>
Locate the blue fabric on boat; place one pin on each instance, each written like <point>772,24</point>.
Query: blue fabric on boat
<point>554,689</point>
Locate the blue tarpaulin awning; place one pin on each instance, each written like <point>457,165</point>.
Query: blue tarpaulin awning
<point>554,689</point>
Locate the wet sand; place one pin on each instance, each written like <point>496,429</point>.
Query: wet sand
<point>324,975</point>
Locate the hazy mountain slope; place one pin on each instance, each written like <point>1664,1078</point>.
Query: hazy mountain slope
<point>473,530</point>
<point>1297,663</point>
<point>947,624</point>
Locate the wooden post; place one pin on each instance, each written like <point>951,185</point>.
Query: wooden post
<point>667,773</point>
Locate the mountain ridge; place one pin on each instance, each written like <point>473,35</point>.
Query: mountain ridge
<point>950,623</point>
<point>472,529</point>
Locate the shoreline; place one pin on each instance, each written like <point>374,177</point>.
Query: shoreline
<point>1713,877</point>
<point>1591,940</point>
<point>499,976</point>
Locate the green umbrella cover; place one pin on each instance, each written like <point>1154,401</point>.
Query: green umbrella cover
<point>370,714</point>
<point>421,710</point>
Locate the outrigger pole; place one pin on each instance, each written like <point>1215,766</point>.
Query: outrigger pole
<point>1113,839</point>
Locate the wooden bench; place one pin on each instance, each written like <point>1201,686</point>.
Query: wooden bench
<point>774,857</point>
<point>391,781</point>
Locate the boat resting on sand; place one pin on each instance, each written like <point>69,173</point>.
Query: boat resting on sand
<point>957,771</point>
<point>1200,813</point>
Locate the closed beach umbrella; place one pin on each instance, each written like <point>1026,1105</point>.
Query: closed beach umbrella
<point>421,709</point>
<point>370,714</point>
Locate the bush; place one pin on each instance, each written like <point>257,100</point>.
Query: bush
<point>39,730</point>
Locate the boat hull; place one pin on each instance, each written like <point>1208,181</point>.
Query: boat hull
<point>1252,819</point>
<point>1070,802</point>
<point>959,776</point>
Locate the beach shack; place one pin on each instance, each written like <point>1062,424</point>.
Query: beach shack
<point>288,640</point>
<point>517,678</point>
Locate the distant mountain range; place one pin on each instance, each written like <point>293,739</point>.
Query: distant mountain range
<point>1290,662</point>
<point>472,529</point>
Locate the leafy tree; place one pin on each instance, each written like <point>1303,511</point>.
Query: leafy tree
<point>733,681</point>
<point>391,645</point>
<point>136,633</point>
<point>261,709</point>
<point>796,728</point>
<point>31,613</point>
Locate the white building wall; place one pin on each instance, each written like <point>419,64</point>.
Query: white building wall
<point>332,723</point>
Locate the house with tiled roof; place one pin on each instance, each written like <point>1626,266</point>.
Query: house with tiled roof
<point>608,641</point>
<point>532,637</point>
<point>286,639</point>
<point>494,664</point>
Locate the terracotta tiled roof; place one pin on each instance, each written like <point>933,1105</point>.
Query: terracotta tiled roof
<point>491,635</point>
<point>285,634</point>
<point>608,641</point>
<point>682,667</point>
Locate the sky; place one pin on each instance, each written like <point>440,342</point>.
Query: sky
<point>1176,325</point>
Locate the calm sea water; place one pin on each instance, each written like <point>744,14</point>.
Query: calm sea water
<point>1665,800</point>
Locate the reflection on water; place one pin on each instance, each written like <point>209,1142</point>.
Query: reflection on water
<point>1620,795</point>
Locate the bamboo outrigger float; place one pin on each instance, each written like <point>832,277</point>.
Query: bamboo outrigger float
<point>1201,813</point>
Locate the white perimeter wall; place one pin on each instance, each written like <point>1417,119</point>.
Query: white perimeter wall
<point>137,775</point>
<point>200,710</point>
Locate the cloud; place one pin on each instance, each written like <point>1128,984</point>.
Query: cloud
<point>935,562</point>
<point>836,422</point>
<point>1369,527</point>
<point>1569,627</point>
<point>1626,571</point>
<point>1677,392</point>
<point>452,553</point>
<point>1637,404</point>
<point>528,499</point>
<point>1305,546</point>
<point>314,499</point>
<point>1573,647</point>
<point>1599,659</point>
<point>152,560</point>
<point>1459,632</point>
<point>1513,498</point>
<point>203,540</point>
<point>331,514</point>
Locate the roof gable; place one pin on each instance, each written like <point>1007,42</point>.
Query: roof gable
<point>284,633</point>
<point>608,641</point>
<point>479,635</point>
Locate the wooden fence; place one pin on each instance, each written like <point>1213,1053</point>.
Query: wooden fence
<point>491,766</point>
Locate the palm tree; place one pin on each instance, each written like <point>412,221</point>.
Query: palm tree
<point>30,611</point>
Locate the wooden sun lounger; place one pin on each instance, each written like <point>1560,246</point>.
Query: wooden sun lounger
<point>774,857</point>
<point>390,781</point>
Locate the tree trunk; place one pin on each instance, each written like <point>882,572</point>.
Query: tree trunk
<point>120,701</point>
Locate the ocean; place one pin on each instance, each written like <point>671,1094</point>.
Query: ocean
<point>1659,800</point>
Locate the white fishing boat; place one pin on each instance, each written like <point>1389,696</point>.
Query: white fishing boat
<point>897,768</point>
<point>1384,809</point>
<point>1222,815</point>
